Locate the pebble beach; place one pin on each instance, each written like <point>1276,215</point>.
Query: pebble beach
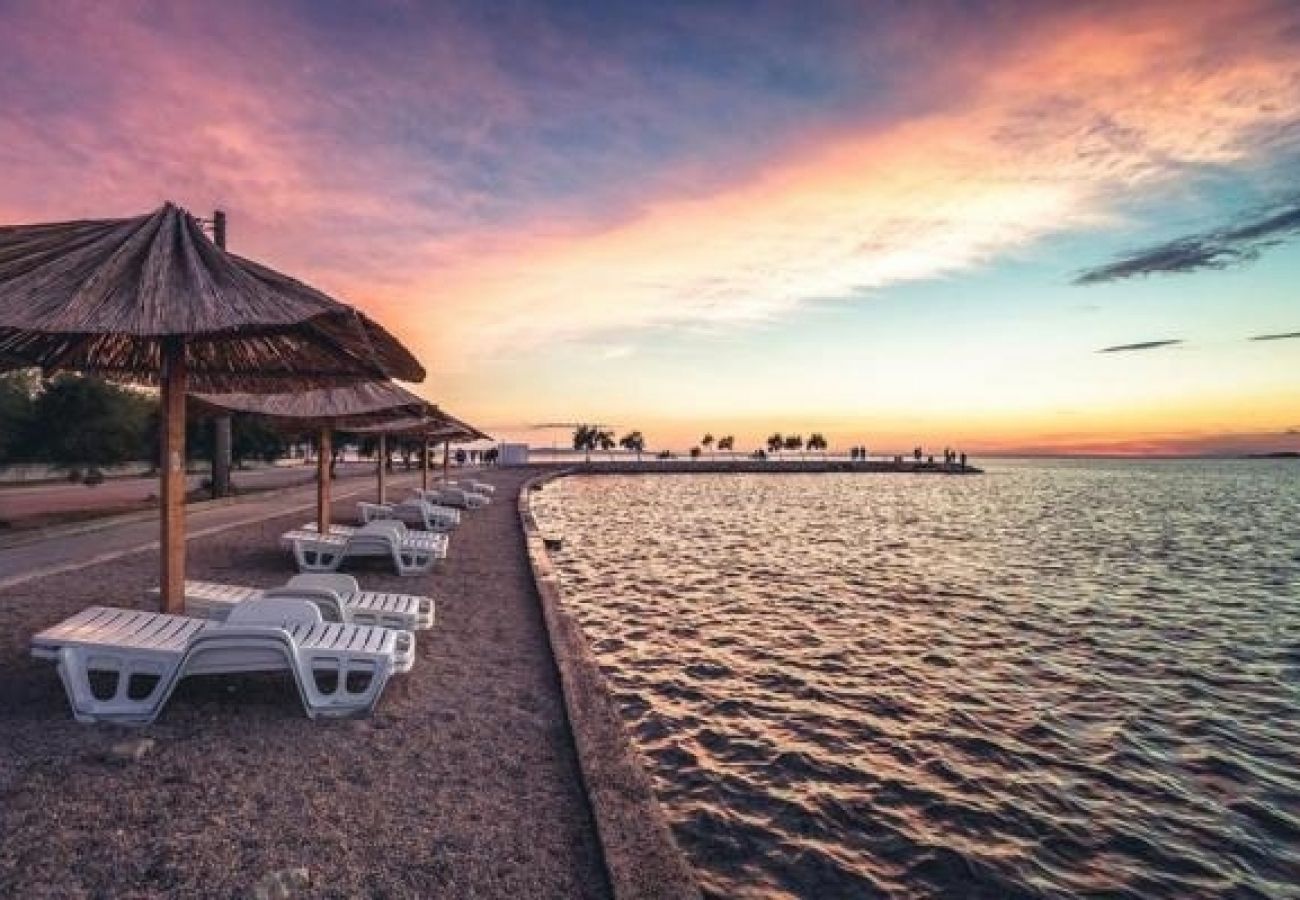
<point>463,783</point>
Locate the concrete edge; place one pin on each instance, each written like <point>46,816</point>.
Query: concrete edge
<point>641,858</point>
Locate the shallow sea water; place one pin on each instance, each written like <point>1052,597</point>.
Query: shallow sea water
<point>1056,678</point>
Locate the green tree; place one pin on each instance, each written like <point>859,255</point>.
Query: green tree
<point>605,441</point>
<point>590,437</point>
<point>727,443</point>
<point>775,442</point>
<point>633,441</point>
<point>706,441</point>
<point>85,421</point>
<point>817,441</point>
<point>253,438</point>
<point>793,442</point>
<point>695,452</point>
<point>584,439</point>
<point>17,413</point>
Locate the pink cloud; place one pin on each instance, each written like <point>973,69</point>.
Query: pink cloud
<point>1046,140</point>
<point>319,143</point>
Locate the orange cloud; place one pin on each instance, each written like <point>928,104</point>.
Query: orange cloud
<point>1046,142</point>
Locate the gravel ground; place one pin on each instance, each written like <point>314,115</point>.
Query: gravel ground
<point>463,784</point>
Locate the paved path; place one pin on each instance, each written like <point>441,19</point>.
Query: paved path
<point>25,501</point>
<point>49,556</point>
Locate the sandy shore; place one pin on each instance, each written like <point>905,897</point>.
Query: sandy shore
<point>463,784</point>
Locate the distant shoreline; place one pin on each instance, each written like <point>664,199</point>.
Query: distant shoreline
<point>1140,457</point>
<point>564,456</point>
<point>768,466</point>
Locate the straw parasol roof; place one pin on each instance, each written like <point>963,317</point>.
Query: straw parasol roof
<point>438,428</point>
<point>469,431</point>
<point>366,407</point>
<point>103,295</point>
<point>363,403</point>
<point>152,300</point>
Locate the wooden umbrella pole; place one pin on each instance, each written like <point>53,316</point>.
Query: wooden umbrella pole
<point>323,460</point>
<point>172,439</point>
<point>424,467</point>
<point>446,459</point>
<point>221,429</point>
<point>383,467</point>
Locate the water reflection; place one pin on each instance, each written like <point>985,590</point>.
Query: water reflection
<point>1054,678</point>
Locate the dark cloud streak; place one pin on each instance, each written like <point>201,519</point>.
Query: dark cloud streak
<point>1142,345</point>
<point>1276,337</point>
<point>1237,244</point>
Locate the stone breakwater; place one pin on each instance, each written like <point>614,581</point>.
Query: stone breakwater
<point>706,466</point>
<point>641,858</point>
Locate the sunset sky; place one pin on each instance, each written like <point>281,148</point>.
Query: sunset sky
<point>1006,227</point>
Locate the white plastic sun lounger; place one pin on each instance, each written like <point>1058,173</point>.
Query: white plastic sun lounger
<point>339,597</point>
<point>412,552</point>
<point>309,529</point>
<point>478,487</point>
<point>122,665</point>
<point>414,512</point>
<point>455,496</point>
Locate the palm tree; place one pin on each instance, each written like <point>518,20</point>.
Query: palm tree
<point>605,440</point>
<point>793,442</point>
<point>727,443</point>
<point>633,441</point>
<point>584,439</point>
<point>706,441</point>
<point>817,441</point>
<point>775,442</point>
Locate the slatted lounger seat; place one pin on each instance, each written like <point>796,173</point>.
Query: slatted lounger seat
<point>480,487</point>
<point>414,512</point>
<point>412,552</point>
<point>436,540</point>
<point>468,484</point>
<point>339,597</point>
<point>122,665</point>
<point>455,496</point>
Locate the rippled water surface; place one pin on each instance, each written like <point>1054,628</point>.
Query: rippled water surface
<point>1050,679</point>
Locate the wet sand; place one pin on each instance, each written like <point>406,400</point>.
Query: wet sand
<point>464,783</point>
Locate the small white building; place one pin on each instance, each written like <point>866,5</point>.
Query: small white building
<point>512,454</point>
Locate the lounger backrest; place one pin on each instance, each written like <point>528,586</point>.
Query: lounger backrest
<point>330,604</point>
<point>371,512</point>
<point>385,527</point>
<point>280,611</point>
<point>343,585</point>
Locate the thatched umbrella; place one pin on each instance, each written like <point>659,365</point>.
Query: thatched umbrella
<point>152,300</point>
<point>464,433</point>
<point>326,410</point>
<point>441,427</point>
